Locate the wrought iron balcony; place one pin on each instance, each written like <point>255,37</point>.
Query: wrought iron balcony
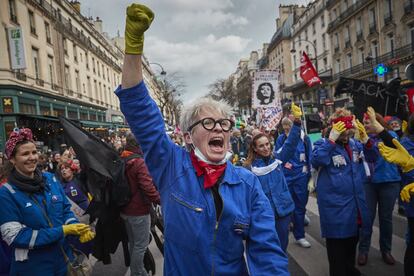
<point>387,58</point>
<point>347,13</point>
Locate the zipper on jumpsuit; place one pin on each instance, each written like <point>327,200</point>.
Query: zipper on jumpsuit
<point>216,226</point>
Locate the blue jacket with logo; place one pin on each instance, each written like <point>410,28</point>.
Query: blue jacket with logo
<point>383,171</point>
<point>408,177</point>
<point>303,148</point>
<point>195,244</point>
<point>340,187</point>
<point>273,183</point>
<point>36,246</point>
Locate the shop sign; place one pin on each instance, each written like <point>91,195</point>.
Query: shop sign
<point>8,105</point>
<point>17,56</point>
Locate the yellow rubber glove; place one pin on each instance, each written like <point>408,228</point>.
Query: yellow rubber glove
<point>375,124</point>
<point>75,229</point>
<point>406,192</point>
<point>362,133</point>
<point>138,20</point>
<point>296,111</point>
<point>87,236</point>
<point>399,155</point>
<point>404,126</point>
<point>336,131</point>
<point>90,197</point>
<point>235,158</point>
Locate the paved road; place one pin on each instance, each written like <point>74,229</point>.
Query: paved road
<point>311,261</point>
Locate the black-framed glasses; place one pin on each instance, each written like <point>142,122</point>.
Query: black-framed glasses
<point>209,124</point>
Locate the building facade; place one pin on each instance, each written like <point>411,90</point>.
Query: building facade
<point>365,33</point>
<point>58,63</point>
<point>309,35</point>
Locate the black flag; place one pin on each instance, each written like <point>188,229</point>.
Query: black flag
<point>386,99</point>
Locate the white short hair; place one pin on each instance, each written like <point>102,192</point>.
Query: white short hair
<point>192,110</point>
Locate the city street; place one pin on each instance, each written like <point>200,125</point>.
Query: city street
<point>312,261</point>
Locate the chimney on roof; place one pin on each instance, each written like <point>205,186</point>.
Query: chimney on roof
<point>98,24</point>
<point>76,5</point>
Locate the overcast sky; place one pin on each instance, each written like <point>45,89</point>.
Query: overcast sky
<point>202,40</point>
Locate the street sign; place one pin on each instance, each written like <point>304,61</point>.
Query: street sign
<point>17,55</point>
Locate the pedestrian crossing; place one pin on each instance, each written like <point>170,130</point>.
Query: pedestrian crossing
<point>304,261</point>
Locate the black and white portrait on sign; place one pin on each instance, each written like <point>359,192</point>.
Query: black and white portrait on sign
<point>265,90</point>
<point>265,93</point>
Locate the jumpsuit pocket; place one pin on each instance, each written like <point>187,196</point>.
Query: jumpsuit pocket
<point>230,238</point>
<point>184,221</point>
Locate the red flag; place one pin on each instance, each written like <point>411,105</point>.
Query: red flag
<point>308,72</point>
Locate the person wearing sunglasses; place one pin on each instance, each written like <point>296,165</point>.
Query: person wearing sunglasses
<point>211,208</point>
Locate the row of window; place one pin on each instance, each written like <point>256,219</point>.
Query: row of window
<point>96,66</point>
<point>102,92</point>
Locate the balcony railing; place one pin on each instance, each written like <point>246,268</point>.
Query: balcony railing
<point>397,53</point>
<point>67,28</point>
<point>350,11</point>
<point>21,76</point>
<point>40,82</point>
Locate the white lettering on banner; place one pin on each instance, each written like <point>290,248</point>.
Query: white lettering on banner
<point>16,45</point>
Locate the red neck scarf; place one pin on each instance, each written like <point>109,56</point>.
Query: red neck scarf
<point>211,172</point>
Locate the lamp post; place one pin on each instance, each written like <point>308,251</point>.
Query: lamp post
<point>293,50</point>
<point>163,72</point>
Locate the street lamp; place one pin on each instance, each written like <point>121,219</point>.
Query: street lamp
<point>293,50</point>
<point>163,72</point>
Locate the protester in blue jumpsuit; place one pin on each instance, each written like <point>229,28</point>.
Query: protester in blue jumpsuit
<point>382,190</point>
<point>36,243</point>
<point>297,174</point>
<point>268,167</point>
<point>211,209</point>
<point>403,156</point>
<point>340,192</point>
<point>74,190</point>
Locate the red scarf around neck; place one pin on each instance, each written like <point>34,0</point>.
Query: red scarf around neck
<point>211,172</point>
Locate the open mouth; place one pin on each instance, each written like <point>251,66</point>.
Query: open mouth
<point>216,143</point>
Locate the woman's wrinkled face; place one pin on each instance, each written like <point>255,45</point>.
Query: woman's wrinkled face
<point>395,125</point>
<point>213,144</point>
<point>262,147</point>
<point>25,159</point>
<point>67,173</point>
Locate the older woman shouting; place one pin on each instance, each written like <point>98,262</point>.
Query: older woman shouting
<point>209,206</point>
<point>35,216</point>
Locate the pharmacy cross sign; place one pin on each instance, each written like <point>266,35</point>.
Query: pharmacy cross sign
<point>380,70</point>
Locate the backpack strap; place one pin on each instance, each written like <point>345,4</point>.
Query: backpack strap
<point>132,156</point>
